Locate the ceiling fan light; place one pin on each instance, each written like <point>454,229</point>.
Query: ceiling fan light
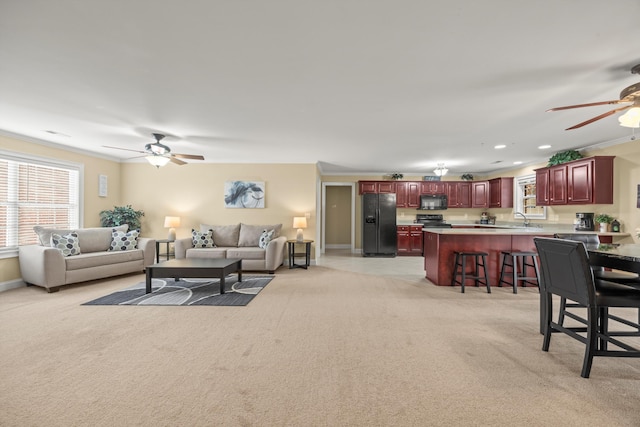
<point>630,119</point>
<point>157,161</point>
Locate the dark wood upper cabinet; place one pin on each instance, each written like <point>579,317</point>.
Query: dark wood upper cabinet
<point>579,182</point>
<point>458,194</point>
<point>376,187</point>
<point>501,192</point>
<point>480,194</point>
<point>407,194</point>
<point>432,187</point>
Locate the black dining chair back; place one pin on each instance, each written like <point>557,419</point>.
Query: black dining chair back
<point>565,271</point>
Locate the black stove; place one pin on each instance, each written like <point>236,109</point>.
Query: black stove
<point>432,220</point>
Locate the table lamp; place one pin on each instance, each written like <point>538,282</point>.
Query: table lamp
<point>299,222</point>
<point>171,222</point>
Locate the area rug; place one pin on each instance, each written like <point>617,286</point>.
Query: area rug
<point>188,292</point>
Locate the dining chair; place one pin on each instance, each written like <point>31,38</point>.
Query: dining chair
<point>599,272</point>
<point>565,272</point>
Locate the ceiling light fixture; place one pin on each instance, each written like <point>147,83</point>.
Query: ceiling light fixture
<point>517,162</point>
<point>544,147</point>
<point>499,147</point>
<point>441,170</point>
<point>157,160</point>
<point>630,119</point>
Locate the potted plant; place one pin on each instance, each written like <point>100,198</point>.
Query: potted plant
<point>604,221</point>
<point>121,215</point>
<point>467,177</point>
<point>397,176</point>
<point>564,157</point>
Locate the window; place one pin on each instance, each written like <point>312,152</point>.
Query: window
<point>36,191</point>
<point>526,198</point>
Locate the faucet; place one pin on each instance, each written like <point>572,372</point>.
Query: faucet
<point>526,222</point>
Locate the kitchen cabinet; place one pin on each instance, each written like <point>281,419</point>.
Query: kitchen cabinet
<point>480,194</point>
<point>458,194</point>
<point>501,192</point>
<point>432,187</point>
<point>376,187</point>
<point>410,240</point>
<point>579,182</point>
<point>408,194</point>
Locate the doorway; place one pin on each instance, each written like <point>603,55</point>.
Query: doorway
<point>338,216</point>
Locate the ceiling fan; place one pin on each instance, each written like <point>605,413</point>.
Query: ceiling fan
<point>629,95</point>
<point>159,154</point>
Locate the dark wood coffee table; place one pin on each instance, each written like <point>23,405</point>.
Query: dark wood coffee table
<point>195,268</point>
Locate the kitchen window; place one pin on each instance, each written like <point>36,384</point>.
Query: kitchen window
<point>525,198</point>
<point>36,191</point>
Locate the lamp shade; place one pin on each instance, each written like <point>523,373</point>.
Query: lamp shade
<point>299,222</point>
<point>171,222</point>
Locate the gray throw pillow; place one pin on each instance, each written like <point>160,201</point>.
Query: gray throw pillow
<point>225,236</point>
<point>68,244</point>
<point>250,234</point>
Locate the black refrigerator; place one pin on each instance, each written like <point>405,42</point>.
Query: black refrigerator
<point>379,234</point>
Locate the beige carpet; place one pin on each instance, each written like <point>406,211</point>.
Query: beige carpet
<point>316,348</point>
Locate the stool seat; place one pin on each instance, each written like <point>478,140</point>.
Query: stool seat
<point>460,269</point>
<point>510,260</point>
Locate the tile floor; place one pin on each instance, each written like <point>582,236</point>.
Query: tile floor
<point>405,267</point>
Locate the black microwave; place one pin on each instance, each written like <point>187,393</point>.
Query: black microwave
<point>433,202</point>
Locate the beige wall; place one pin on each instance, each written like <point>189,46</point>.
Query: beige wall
<point>195,193</point>
<point>93,204</point>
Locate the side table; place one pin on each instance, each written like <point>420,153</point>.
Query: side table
<point>158,242</point>
<point>306,254</point>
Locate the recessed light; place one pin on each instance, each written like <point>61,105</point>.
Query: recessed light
<point>498,147</point>
<point>517,163</point>
<point>543,147</point>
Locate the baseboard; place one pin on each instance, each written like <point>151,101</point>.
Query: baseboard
<point>11,284</point>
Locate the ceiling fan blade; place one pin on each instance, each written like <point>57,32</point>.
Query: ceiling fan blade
<point>126,149</point>
<point>568,107</point>
<point>177,161</point>
<point>188,156</point>
<point>601,116</point>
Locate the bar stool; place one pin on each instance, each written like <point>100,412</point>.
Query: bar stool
<point>460,269</point>
<point>510,259</point>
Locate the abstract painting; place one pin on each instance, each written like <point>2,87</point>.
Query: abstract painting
<point>243,194</point>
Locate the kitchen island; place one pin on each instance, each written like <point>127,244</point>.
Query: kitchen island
<point>440,243</point>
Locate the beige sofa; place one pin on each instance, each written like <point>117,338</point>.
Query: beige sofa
<point>238,241</point>
<point>46,266</point>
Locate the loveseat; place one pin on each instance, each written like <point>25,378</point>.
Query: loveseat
<point>236,241</point>
<point>71,256</point>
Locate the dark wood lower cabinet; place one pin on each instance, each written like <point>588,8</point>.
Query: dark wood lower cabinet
<point>410,240</point>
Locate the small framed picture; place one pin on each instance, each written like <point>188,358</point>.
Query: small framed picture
<point>431,178</point>
<point>243,194</point>
<point>102,186</point>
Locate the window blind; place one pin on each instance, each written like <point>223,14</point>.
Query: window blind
<point>34,193</point>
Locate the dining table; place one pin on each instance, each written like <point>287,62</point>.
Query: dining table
<point>625,256</point>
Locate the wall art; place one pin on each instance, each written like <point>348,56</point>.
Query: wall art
<point>243,194</point>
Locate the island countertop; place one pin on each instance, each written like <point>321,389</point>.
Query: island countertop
<point>439,245</point>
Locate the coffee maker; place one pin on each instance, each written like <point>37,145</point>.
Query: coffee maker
<point>584,221</point>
